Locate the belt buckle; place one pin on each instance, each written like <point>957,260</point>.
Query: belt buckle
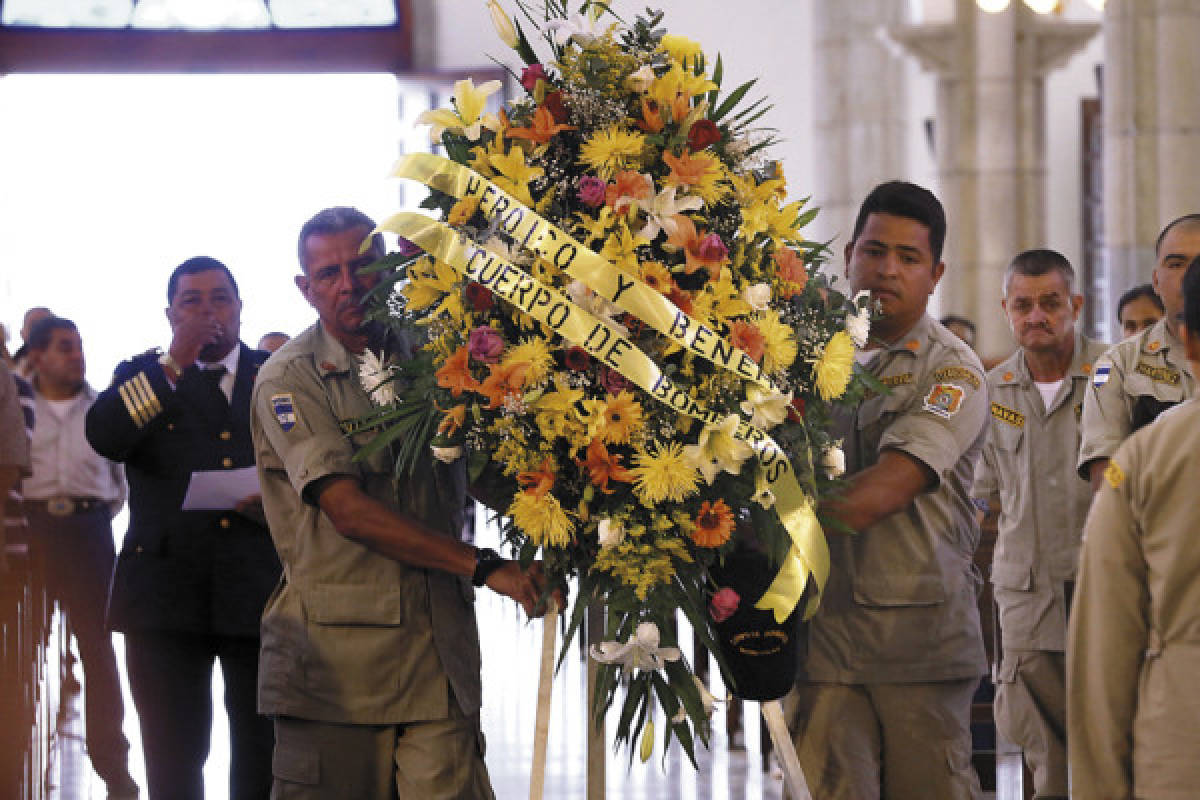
<point>60,506</point>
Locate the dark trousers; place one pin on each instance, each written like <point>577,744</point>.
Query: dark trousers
<point>78,560</point>
<point>170,674</point>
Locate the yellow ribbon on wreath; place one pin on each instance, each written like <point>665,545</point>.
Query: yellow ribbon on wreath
<point>808,553</point>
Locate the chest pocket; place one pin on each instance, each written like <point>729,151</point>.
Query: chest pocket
<point>873,419</point>
<point>1155,380</point>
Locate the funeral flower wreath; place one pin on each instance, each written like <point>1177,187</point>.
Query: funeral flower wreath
<point>626,334</point>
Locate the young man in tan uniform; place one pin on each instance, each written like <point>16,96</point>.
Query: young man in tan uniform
<point>1027,472</point>
<point>1133,703</point>
<point>370,652</point>
<point>882,703</point>
<point>1145,374</point>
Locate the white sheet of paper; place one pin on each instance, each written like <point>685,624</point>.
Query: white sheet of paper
<point>220,489</point>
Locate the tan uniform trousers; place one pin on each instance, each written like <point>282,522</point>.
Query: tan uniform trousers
<point>1031,712</point>
<point>438,760</point>
<point>885,741</point>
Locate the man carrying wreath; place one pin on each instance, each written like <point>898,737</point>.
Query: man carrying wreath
<point>370,660</point>
<point>881,706</point>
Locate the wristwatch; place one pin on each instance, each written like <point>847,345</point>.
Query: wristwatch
<point>487,561</point>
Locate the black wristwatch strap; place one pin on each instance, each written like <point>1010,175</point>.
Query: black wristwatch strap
<point>487,561</point>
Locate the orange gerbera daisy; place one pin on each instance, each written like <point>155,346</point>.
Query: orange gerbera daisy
<point>539,481</point>
<point>622,416</point>
<point>656,276</point>
<point>455,375</point>
<point>603,467</point>
<point>542,128</point>
<point>453,420</point>
<point>714,524</point>
<point>503,382</point>
<point>748,338</point>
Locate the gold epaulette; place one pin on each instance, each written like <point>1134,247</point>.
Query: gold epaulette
<point>140,399</point>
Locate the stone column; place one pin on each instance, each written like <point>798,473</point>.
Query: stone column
<point>1151,131</point>
<point>859,106</point>
<point>991,145</point>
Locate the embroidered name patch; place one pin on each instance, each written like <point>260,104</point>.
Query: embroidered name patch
<point>1100,376</point>
<point>944,399</point>
<point>1158,374</point>
<point>957,374</point>
<point>893,381</point>
<point>285,410</point>
<point>1009,415</point>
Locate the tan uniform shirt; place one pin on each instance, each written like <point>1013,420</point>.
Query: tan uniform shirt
<point>900,605</point>
<point>1131,384</point>
<point>1134,649</point>
<point>349,635</point>
<point>1028,465</point>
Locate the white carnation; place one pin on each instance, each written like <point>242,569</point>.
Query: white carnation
<point>611,533</point>
<point>858,324</point>
<point>757,296</point>
<point>376,379</point>
<point>833,461</point>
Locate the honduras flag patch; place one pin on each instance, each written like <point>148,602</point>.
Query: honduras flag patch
<point>1100,376</point>
<point>285,410</point>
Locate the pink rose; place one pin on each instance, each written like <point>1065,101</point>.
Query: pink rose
<point>723,604</point>
<point>531,75</point>
<point>613,381</point>
<point>712,248</point>
<point>485,345</point>
<point>592,190</point>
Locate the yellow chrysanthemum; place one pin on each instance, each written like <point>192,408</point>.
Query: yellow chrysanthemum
<point>663,474</point>
<point>779,341</point>
<point>536,353</point>
<point>612,149</point>
<point>542,519</point>
<point>834,366</point>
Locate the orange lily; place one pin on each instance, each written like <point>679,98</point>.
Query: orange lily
<point>651,121</point>
<point>452,420</point>
<point>505,380</point>
<point>542,128</point>
<point>628,188</point>
<point>539,481</point>
<point>603,467</point>
<point>747,338</point>
<point>688,169</point>
<point>454,373</point>
<point>689,240</point>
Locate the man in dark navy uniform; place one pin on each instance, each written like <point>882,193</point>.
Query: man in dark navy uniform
<point>190,585</point>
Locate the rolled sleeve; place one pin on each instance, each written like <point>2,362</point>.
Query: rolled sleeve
<point>313,446</point>
<point>941,423</point>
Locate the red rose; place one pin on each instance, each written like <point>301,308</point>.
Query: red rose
<point>479,296</point>
<point>796,412</point>
<point>577,359</point>
<point>704,132</point>
<point>723,604</point>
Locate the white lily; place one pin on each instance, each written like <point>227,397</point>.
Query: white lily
<point>583,28</point>
<point>375,378</point>
<point>641,80</point>
<point>467,116</point>
<point>762,490</point>
<point>503,24</point>
<point>766,407</point>
<point>640,652</point>
<point>707,702</point>
<point>611,533</point>
<point>661,210</point>
<point>718,449</point>
<point>858,324</point>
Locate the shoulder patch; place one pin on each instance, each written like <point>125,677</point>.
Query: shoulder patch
<point>1009,415</point>
<point>285,410</point>
<point>944,400</point>
<point>1100,375</point>
<point>957,374</point>
<point>1158,374</point>
<point>1114,474</point>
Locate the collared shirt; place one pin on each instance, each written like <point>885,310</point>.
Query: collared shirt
<point>64,464</point>
<point>230,363</point>
<point>1131,384</point>
<point>352,636</point>
<point>900,602</point>
<point>1028,466</point>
